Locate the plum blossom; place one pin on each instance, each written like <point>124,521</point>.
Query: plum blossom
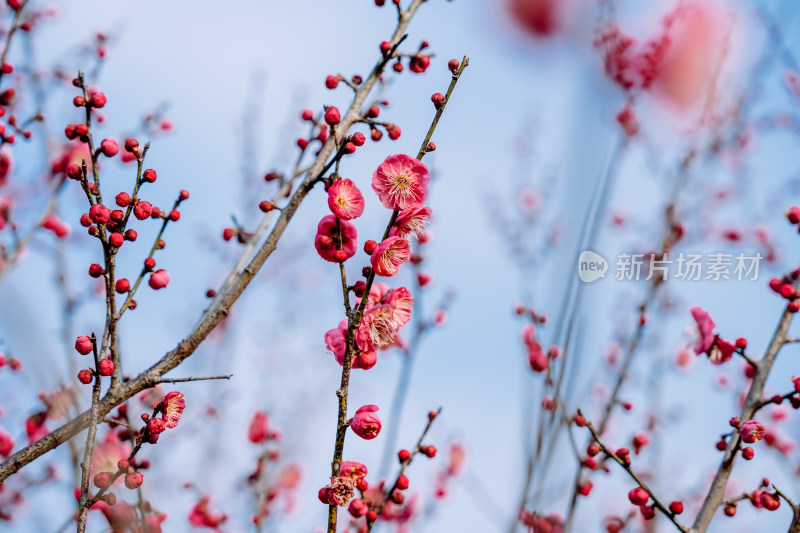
<point>172,406</point>
<point>336,342</point>
<point>257,432</point>
<point>202,516</point>
<point>354,470</point>
<point>387,311</point>
<point>377,293</point>
<point>389,255</point>
<point>377,328</point>
<point>752,431</point>
<point>365,422</point>
<point>339,492</point>
<point>401,181</point>
<point>345,200</point>
<point>401,301</point>
<point>705,326</point>
<point>328,234</point>
<point>411,221</point>
<point>542,524</point>
<point>719,350</point>
<point>159,279</point>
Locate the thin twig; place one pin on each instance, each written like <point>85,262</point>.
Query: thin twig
<point>183,380</point>
<point>403,465</point>
<point>754,396</point>
<point>656,502</point>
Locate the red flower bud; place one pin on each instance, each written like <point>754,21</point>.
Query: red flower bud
<point>638,496</point>
<point>74,172</point>
<point>402,482</point>
<point>131,145</point>
<point>116,239</point>
<point>105,367</point>
<point>156,425</point>
<point>96,270</point>
<point>159,279</point>
<point>331,82</point>
<point>99,214</point>
<point>133,480</point>
<point>102,480</point>
<point>85,376</point>
<point>98,100</point>
<point>83,345</point>
<point>122,285</point>
<point>123,199</point>
<point>332,116</point>
<point>109,147</point>
<point>142,210</point>
<point>365,422</point>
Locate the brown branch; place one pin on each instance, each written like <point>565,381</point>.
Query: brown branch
<point>184,380</point>
<point>354,318</point>
<point>754,397</point>
<point>86,465</point>
<point>656,502</point>
<point>669,238</point>
<point>403,465</point>
<point>220,308</point>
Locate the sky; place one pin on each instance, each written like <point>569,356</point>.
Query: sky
<point>529,112</point>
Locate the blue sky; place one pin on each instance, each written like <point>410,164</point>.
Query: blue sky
<point>202,59</point>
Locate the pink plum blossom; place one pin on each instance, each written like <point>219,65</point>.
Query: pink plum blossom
<point>328,234</point>
<point>354,470</point>
<point>345,200</point>
<point>339,492</point>
<point>706,326</point>
<point>365,422</point>
<point>336,342</point>
<point>257,431</point>
<point>389,255</point>
<point>411,221</point>
<point>172,406</point>
<point>401,181</point>
<point>752,431</point>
